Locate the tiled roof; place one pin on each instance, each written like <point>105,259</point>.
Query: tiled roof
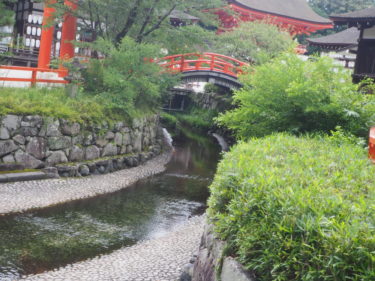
<point>357,16</point>
<point>341,40</point>
<point>296,9</point>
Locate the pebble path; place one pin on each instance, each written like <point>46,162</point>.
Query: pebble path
<point>160,259</point>
<point>23,196</point>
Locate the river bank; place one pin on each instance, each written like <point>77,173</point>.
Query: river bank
<point>25,196</point>
<point>45,239</point>
<point>160,259</point>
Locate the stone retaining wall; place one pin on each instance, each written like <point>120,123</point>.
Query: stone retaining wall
<point>38,142</point>
<point>212,264</point>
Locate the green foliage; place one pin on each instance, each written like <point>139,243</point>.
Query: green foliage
<point>6,13</point>
<point>367,86</point>
<point>169,120</point>
<point>253,42</point>
<point>184,39</point>
<point>54,103</point>
<point>340,137</point>
<point>329,7</point>
<point>198,118</point>
<point>297,208</point>
<point>195,118</point>
<point>142,20</point>
<point>126,79</point>
<point>297,96</point>
<point>6,18</point>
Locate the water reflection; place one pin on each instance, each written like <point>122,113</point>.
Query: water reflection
<point>49,238</point>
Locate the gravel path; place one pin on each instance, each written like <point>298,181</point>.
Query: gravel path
<point>160,259</point>
<point>22,196</point>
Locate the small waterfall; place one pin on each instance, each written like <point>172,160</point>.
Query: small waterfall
<point>168,138</point>
<point>221,141</point>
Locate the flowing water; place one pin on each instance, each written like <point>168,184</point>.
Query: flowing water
<point>42,240</point>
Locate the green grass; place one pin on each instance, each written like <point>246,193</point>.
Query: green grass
<point>297,208</point>
<point>198,118</point>
<point>55,103</point>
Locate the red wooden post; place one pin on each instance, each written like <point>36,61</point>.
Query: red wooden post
<point>44,58</point>
<point>182,63</point>
<point>69,29</point>
<point>226,69</point>
<point>371,152</point>
<point>212,62</point>
<point>33,77</point>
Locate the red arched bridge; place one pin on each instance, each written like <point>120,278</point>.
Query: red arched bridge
<point>206,67</point>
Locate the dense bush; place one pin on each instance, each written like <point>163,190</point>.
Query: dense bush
<point>292,95</point>
<point>126,78</point>
<point>298,208</point>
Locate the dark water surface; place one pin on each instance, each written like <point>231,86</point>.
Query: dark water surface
<point>53,237</point>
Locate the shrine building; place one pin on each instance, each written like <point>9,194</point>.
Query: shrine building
<point>364,21</point>
<point>294,15</point>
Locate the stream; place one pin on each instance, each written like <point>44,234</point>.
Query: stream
<point>42,240</point>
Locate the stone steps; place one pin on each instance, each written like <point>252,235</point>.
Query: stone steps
<point>26,176</point>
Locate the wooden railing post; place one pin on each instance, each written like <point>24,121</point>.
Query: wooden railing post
<point>33,78</point>
<point>226,69</point>
<point>182,63</point>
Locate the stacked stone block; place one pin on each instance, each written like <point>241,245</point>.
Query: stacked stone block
<point>38,142</point>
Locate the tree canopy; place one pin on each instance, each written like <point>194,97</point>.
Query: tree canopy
<point>329,7</point>
<point>140,19</point>
<point>253,42</point>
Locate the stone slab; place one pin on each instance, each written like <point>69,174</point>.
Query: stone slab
<point>26,176</point>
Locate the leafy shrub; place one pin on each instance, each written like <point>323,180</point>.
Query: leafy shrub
<point>297,96</point>
<point>297,208</point>
<point>126,78</point>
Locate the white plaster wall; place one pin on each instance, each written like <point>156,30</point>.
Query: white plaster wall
<point>10,73</point>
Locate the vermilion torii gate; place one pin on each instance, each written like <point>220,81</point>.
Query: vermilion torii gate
<point>69,28</point>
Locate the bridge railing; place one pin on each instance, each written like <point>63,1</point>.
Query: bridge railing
<point>203,62</point>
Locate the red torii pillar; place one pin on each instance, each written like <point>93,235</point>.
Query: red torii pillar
<point>44,58</point>
<point>68,34</point>
<point>69,30</point>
